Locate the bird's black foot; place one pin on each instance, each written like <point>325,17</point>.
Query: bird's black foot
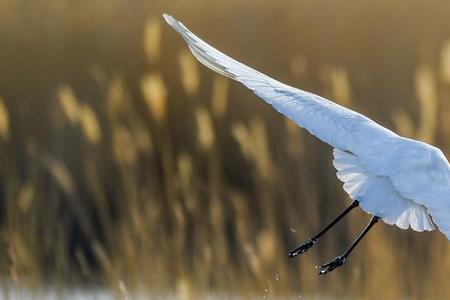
<point>302,249</point>
<point>335,263</point>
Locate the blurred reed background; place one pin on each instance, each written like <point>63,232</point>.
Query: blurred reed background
<point>127,166</point>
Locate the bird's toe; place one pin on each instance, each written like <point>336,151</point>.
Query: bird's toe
<point>328,267</point>
<point>302,249</point>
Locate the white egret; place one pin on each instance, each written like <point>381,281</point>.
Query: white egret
<point>398,180</point>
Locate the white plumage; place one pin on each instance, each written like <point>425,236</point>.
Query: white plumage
<point>400,180</point>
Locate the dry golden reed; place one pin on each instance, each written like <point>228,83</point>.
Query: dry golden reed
<point>4,121</point>
<point>122,290</point>
<point>241,134</point>
<point>90,124</point>
<point>60,173</point>
<point>185,169</point>
<point>104,259</point>
<point>152,39</point>
<point>69,103</point>
<point>141,138</point>
<point>428,99</point>
<point>445,125</point>
<point>205,128</point>
<point>25,197</point>
<point>445,63</point>
<point>337,83</point>
<point>219,102</point>
<point>116,98</point>
<point>403,123</point>
<point>261,150</point>
<point>184,289</point>
<point>155,95</point>
<point>23,264</point>
<point>294,139</point>
<point>340,85</point>
<point>83,263</point>
<point>124,148</point>
<point>79,113</point>
<point>189,72</point>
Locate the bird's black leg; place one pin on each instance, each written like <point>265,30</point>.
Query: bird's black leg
<point>309,243</point>
<point>340,260</point>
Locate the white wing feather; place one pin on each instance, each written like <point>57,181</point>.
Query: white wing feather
<point>378,179</point>
<point>377,195</point>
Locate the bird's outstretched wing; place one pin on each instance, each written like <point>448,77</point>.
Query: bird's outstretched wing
<point>336,125</point>
<point>349,132</point>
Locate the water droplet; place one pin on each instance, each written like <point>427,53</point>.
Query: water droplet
<point>277,277</point>
<point>293,230</point>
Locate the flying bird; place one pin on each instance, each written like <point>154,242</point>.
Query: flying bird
<point>403,182</point>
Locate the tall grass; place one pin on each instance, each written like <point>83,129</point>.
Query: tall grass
<point>163,177</point>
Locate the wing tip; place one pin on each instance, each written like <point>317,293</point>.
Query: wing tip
<point>174,23</point>
<point>177,26</point>
<point>168,18</point>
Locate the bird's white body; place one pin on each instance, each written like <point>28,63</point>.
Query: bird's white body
<point>400,180</point>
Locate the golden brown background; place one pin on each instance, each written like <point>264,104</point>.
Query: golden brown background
<point>127,166</point>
